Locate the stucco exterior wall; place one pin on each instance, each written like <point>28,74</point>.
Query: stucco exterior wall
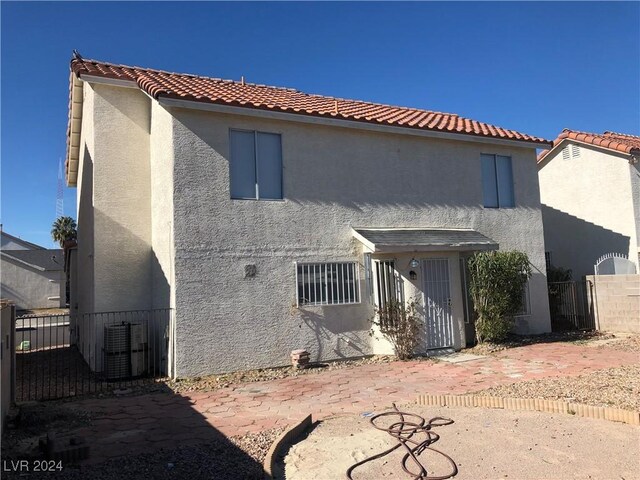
<point>121,199</point>
<point>82,291</point>
<point>334,179</point>
<point>161,174</point>
<point>29,287</point>
<point>593,211</point>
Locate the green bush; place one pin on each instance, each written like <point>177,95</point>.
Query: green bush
<point>401,324</point>
<point>497,282</point>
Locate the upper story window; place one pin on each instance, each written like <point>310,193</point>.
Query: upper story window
<point>255,165</point>
<point>497,181</point>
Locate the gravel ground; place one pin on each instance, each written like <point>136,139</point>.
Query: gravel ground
<point>613,387</point>
<point>213,382</point>
<point>239,458</point>
<point>513,341</point>
<point>625,344</point>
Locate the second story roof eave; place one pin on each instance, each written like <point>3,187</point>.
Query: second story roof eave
<point>204,93</point>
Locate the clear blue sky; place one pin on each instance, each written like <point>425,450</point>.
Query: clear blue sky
<point>533,67</point>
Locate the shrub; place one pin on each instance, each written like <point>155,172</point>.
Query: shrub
<point>401,324</point>
<point>497,282</point>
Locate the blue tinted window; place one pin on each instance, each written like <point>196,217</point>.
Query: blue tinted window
<point>269,154</point>
<point>255,165</point>
<point>242,164</point>
<point>497,181</point>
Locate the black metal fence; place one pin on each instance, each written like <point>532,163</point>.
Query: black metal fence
<point>60,356</point>
<point>571,305</point>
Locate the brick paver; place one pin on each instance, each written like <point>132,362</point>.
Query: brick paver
<point>164,420</point>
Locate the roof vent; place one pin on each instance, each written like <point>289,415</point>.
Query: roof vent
<point>575,151</point>
<point>565,153</point>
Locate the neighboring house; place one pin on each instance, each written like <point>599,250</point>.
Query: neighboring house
<point>32,276</point>
<point>9,242</point>
<point>590,191</point>
<point>271,219</point>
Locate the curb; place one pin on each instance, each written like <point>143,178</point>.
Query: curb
<point>287,437</point>
<point>630,417</point>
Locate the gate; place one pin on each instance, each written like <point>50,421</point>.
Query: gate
<point>570,306</point>
<point>437,303</point>
<point>59,356</point>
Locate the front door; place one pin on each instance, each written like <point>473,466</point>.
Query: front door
<point>437,302</point>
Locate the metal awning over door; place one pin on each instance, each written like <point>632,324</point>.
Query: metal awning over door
<point>396,240</point>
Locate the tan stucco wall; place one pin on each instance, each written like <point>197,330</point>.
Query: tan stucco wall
<point>591,211</point>
<point>83,290</point>
<point>161,172</point>
<point>122,199</point>
<point>334,178</point>
<point>114,194</point>
<point>617,302</point>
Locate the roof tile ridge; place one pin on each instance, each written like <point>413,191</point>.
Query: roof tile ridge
<point>623,135</point>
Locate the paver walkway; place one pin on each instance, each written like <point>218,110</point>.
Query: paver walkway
<point>144,423</point>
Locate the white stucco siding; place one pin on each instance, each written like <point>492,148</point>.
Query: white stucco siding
<point>591,211</point>
<point>121,199</point>
<point>30,287</point>
<point>82,291</point>
<point>161,174</point>
<point>333,179</point>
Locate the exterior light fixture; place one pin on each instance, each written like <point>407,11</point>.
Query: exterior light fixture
<point>414,263</point>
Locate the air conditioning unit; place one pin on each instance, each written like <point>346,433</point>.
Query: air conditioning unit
<point>139,349</point>
<point>117,351</point>
<point>126,350</point>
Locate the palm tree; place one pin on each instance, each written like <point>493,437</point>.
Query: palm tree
<point>63,229</point>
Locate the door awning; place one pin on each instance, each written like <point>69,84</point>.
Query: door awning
<point>393,240</point>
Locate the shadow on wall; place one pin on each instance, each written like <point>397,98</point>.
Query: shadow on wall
<point>577,244</point>
<point>327,324</point>
<point>386,170</point>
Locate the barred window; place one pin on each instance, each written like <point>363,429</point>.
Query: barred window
<point>328,283</point>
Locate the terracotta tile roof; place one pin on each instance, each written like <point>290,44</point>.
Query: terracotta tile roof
<point>163,84</point>
<point>619,142</point>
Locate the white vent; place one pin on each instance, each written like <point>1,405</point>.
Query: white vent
<point>565,153</point>
<point>575,151</point>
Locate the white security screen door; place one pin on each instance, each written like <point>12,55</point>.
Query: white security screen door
<point>437,303</point>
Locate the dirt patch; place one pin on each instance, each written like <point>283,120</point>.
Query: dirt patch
<point>612,387</point>
<point>34,421</point>
<point>237,457</point>
<point>213,382</point>
<point>485,444</point>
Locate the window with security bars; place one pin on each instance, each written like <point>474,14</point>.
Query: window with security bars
<point>389,284</point>
<point>328,283</point>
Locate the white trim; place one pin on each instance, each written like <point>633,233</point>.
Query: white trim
<point>116,82</point>
<point>302,118</point>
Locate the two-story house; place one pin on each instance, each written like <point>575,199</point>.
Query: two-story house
<point>590,191</point>
<point>269,219</point>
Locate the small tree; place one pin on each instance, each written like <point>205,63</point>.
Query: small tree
<point>63,229</point>
<point>401,324</point>
<point>497,282</point>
